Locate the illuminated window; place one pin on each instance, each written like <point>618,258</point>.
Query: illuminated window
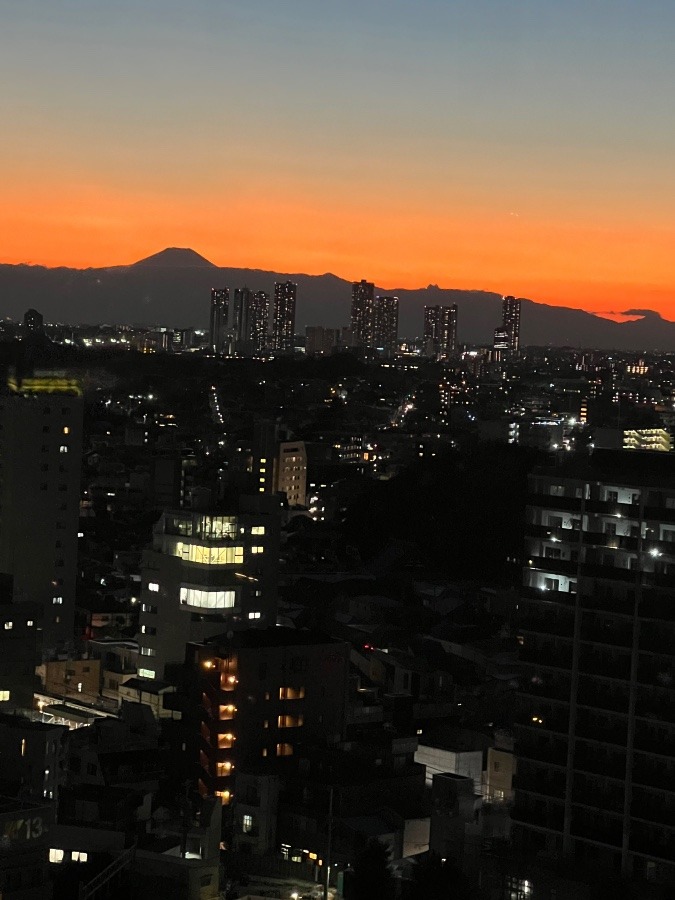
<point>63,449</point>
<point>247,824</point>
<point>148,651</point>
<point>290,721</point>
<point>153,586</point>
<point>9,626</point>
<point>57,601</point>
<point>209,556</point>
<point>258,529</point>
<point>291,693</point>
<point>55,856</point>
<point>146,673</point>
<point>225,741</point>
<point>4,696</point>
<point>79,856</point>
<point>223,768</point>
<point>66,430</point>
<point>226,712</point>
<point>207,599</point>
<point>284,750</point>
<point>257,549</point>
<point>254,615</point>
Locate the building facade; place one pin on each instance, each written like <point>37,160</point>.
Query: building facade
<point>220,304</point>
<point>41,456</point>
<point>283,325</point>
<point>511,323</point>
<point>260,694</point>
<point>206,572</point>
<point>440,330</point>
<point>596,727</point>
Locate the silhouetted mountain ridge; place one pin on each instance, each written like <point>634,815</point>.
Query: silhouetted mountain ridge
<point>172,287</point>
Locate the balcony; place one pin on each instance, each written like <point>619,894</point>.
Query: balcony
<point>554,566</point>
<point>593,662</point>
<point>560,627</point>
<point>618,634</point>
<point>549,501</point>
<point>546,657</point>
<point>564,598</point>
<point>613,573</point>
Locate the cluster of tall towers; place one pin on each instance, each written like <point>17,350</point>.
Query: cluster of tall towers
<point>374,318</point>
<point>240,325</point>
<point>440,331</point>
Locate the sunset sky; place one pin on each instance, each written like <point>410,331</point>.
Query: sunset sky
<point>523,147</point>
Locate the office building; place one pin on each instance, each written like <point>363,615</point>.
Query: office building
<point>440,331</point>
<point>259,694</point>
<point>596,724</point>
<point>220,303</point>
<point>41,456</point>
<point>511,323</point>
<point>283,325</point>
<point>205,572</point>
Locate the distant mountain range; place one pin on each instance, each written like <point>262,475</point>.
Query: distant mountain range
<point>173,288</point>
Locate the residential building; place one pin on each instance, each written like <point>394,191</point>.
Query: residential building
<point>218,322</point>
<point>656,439</point>
<point>374,319</point>
<point>260,694</point>
<point>206,572</point>
<point>320,341</point>
<point>41,456</point>
<point>34,753</point>
<point>511,323</point>
<point>595,738</point>
<point>24,864</point>
<point>283,325</point>
<point>259,319</point>
<point>440,331</point>
<point>279,465</point>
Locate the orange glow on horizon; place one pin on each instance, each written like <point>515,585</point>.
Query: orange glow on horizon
<point>600,263</point>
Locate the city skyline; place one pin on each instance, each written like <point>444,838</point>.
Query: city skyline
<point>519,149</point>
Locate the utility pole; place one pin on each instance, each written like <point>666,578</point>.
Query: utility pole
<point>329,844</point>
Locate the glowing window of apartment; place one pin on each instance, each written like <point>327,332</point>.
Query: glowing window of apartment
<point>291,693</point>
<point>254,615</point>
<point>290,721</point>
<point>257,549</point>
<point>223,769</point>
<point>258,529</point>
<point>9,626</point>
<point>55,855</point>
<point>247,824</point>
<point>29,623</point>
<point>225,741</point>
<point>153,586</point>
<point>4,696</point>
<point>63,448</point>
<point>284,750</point>
<point>207,599</point>
<point>79,856</point>
<point>57,601</point>
<point>146,673</point>
<point>66,430</point>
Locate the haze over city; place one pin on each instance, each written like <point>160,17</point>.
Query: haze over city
<point>517,147</point>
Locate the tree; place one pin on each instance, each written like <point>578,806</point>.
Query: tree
<point>372,876</point>
<point>435,879</point>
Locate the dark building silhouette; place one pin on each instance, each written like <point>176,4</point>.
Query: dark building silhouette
<point>440,330</point>
<point>374,319</point>
<point>33,324</point>
<point>511,323</point>
<point>41,453</point>
<point>596,723</point>
<point>220,302</point>
<point>283,327</point>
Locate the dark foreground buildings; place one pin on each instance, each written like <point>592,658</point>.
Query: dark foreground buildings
<point>596,731</point>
